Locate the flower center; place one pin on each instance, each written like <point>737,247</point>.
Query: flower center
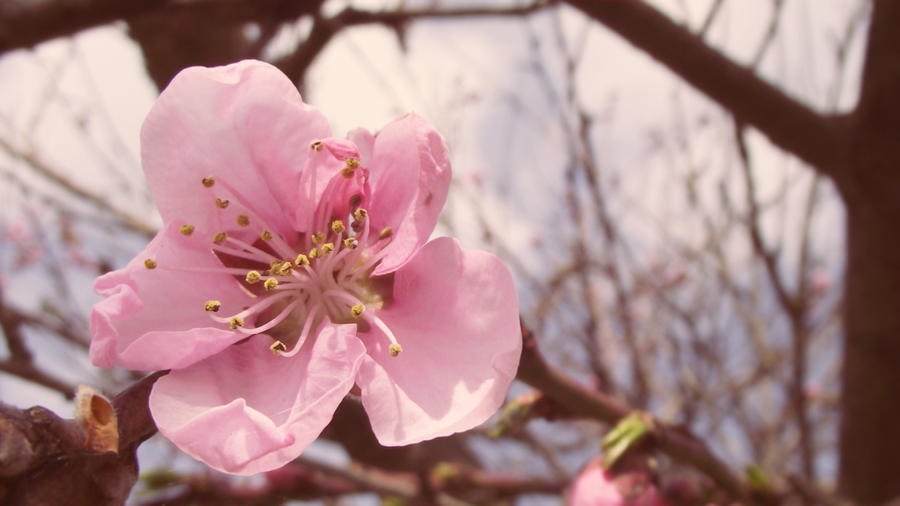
<point>323,275</point>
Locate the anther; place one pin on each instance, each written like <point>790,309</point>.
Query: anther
<point>270,284</point>
<point>252,277</point>
<point>222,204</point>
<point>314,253</point>
<point>186,229</point>
<point>282,269</point>
<point>278,347</point>
<point>316,146</point>
<point>385,233</point>
<point>337,226</point>
<point>317,237</point>
<point>265,235</point>
<point>357,310</point>
<point>150,263</point>
<point>347,172</point>
<point>236,321</point>
<point>212,306</point>
<point>355,201</point>
<point>208,181</point>
<point>243,220</point>
<point>327,248</point>
<point>220,237</point>
<point>301,260</point>
<point>352,163</point>
<point>394,349</point>
<point>360,214</point>
<point>351,243</point>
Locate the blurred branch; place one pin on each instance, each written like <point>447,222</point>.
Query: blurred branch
<point>789,124</point>
<point>581,401</point>
<point>132,222</point>
<point>26,23</point>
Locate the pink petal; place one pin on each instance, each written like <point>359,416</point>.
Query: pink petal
<point>322,183</point>
<point>594,487</point>
<point>365,142</point>
<point>410,173</point>
<point>154,318</point>
<point>246,411</point>
<point>243,124</point>
<point>455,314</point>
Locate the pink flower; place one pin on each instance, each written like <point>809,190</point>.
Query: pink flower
<point>595,486</point>
<point>294,265</point>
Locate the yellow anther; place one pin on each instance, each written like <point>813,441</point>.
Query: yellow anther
<point>270,284</point>
<point>351,243</point>
<point>278,347</point>
<point>222,204</point>
<point>252,277</point>
<point>360,214</point>
<point>236,321</point>
<point>337,226</point>
<point>265,235</point>
<point>316,146</point>
<point>243,220</point>
<point>327,248</point>
<point>394,349</point>
<point>355,201</point>
<point>301,260</point>
<point>220,237</point>
<point>347,172</point>
<point>208,181</point>
<point>314,253</point>
<point>385,232</point>
<point>150,263</point>
<point>317,237</point>
<point>283,269</point>
<point>186,229</point>
<point>352,163</point>
<point>212,306</point>
<point>357,310</point>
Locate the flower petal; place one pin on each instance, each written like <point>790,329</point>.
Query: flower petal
<point>323,183</point>
<point>245,410</point>
<point>455,314</point>
<point>154,318</point>
<point>410,176</point>
<point>242,124</point>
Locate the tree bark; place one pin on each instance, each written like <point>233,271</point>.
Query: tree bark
<point>870,440</point>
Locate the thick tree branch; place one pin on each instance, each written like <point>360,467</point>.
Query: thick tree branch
<point>789,124</point>
<point>26,23</point>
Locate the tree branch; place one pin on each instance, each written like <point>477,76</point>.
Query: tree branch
<point>789,124</point>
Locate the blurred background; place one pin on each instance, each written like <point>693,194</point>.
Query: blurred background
<point>665,253</point>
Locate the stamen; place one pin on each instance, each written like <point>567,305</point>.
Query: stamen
<point>337,226</point>
<point>327,248</point>
<point>222,204</point>
<point>347,172</point>
<point>220,237</point>
<point>317,237</point>
<point>236,321</point>
<point>351,243</point>
<point>212,306</point>
<point>357,310</point>
<point>314,253</point>
<point>360,214</point>
<point>277,348</point>
<point>266,235</point>
<point>243,220</point>
<point>270,284</point>
<point>252,277</point>
<point>186,229</point>
<point>150,263</point>
<point>316,146</point>
<point>385,233</point>
<point>301,260</point>
<point>394,349</point>
<point>208,181</point>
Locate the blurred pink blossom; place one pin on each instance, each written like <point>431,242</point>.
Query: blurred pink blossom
<point>596,486</point>
<point>294,266</point>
